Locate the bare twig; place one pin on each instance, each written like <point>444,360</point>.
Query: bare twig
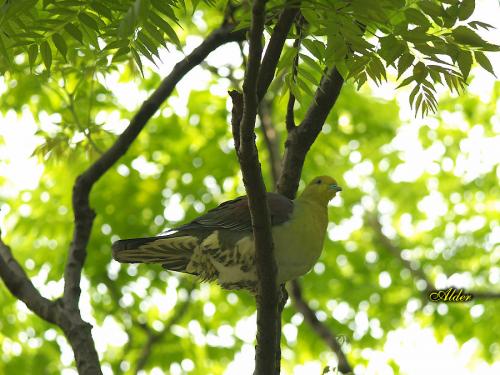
<point>271,138</point>
<point>324,332</point>
<point>275,46</point>
<point>155,337</point>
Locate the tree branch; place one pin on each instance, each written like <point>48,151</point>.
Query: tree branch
<point>155,337</point>
<point>416,272</point>
<point>303,136</point>
<point>310,317</point>
<point>275,46</point>
<point>65,313</point>
<point>271,139</point>
<point>299,302</point>
<point>267,291</point>
<point>20,285</point>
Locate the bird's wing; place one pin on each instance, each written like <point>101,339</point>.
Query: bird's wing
<point>175,248</point>
<point>234,215</point>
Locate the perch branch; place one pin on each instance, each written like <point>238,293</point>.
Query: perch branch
<point>267,291</point>
<point>298,299</point>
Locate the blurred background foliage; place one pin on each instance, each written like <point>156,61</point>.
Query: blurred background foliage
<point>432,181</point>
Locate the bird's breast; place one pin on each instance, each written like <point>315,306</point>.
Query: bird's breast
<point>299,242</point>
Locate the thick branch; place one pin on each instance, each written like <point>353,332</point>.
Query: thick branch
<point>416,272</point>
<point>300,303</point>
<point>322,331</point>
<point>20,285</point>
<point>275,46</point>
<point>84,215</point>
<point>302,137</point>
<point>267,291</point>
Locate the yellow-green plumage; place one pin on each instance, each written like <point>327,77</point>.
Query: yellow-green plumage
<point>219,245</point>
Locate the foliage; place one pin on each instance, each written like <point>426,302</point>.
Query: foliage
<point>184,162</point>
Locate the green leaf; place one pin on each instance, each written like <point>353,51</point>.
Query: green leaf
<point>406,82</point>
<point>154,33</point>
<point>404,63</point>
<point>464,35</point>
<point>417,35</point>
<point>164,8</point>
<point>32,54</point>
<point>148,43</point>
<point>120,43</point>
<point>3,50</point>
<point>102,10</point>
<point>464,63</point>
<point>419,71</point>
<point>46,53</point>
<point>60,44</point>
<point>484,62</point>
<point>390,49</point>
<point>120,53</point>
<point>477,24</point>
<point>431,8</point>
<point>416,17</point>
<point>74,31</point>
<point>414,92</point>
<point>163,25</point>
<point>465,9</point>
<point>450,16</point>
<point>315,47</point>
<point>88,21</point>
<point>311,62</point>
<point>137,59</point>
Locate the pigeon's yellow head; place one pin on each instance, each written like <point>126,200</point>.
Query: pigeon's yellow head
<point>322,188</point>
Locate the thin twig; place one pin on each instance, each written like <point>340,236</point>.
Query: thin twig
<point>303,136</point>
<point>416,272</point>
<point>275,46</point>
<point>324,332</point>
<point>155,337</point>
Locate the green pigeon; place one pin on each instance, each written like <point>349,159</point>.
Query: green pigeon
<point>218,246</point>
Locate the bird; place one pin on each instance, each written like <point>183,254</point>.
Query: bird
<point>219,246</point>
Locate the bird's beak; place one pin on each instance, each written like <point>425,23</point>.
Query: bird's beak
<point>335,187</point>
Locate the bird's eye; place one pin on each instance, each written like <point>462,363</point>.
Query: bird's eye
<point>318,182</point>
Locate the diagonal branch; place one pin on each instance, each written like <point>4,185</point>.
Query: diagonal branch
<point>275,46</point>
<point>416,272</point>
<point>20,285</point>
<point>322,331</point>
<point>65,313</point>
<point>84,215</point>
<point>303,136</point>
<point>155,337</point>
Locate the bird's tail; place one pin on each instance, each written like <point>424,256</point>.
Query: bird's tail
<point>173,251</point>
